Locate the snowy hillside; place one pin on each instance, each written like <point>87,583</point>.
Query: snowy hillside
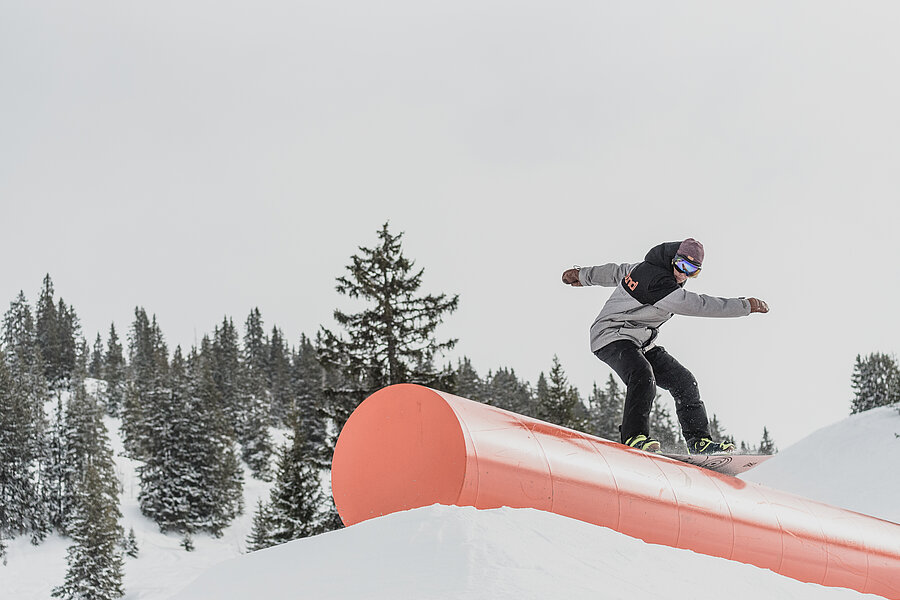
<point>162,567</point>
<point>853,464</point>
<point>447,552</point>
<point>453,553</point>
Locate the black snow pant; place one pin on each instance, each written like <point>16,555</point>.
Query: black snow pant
<point>642,372</point>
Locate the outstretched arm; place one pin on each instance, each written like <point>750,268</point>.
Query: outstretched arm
<point>608,275</point>
<point>683,302</point>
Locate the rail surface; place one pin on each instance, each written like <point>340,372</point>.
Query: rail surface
<point>408,446</point>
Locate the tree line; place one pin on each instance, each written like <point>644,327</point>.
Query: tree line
<point>875,382</point>
<point>193,417</point>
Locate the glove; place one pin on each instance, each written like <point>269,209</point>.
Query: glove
<point>570,277</point>
<point>758,306</point>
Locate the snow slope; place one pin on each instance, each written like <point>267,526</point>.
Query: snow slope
<point>444,553</point>
<point>854,463</point>
<point>162,567</point>
<point>447,552</point>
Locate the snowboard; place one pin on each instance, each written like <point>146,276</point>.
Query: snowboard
<point>729,464</point>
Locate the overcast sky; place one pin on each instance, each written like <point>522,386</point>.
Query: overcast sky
<point>201,158</point>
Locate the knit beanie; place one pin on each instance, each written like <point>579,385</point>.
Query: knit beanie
<point>692,250</point>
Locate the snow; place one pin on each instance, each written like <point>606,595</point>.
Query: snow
<point>854,464</point>
<point>442,552</point>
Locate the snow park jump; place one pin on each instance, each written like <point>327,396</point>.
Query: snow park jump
<point>407,446</point>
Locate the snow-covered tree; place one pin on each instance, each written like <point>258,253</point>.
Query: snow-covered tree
<point>296,501</point>
<point>57,331</point>
<point>130,544</point>
<point>255,353</point>
<point>191,480</point>
<point>114,372</point>
<point>875,382</point>
<point>91,502</point>
<point>278,377</point>
<point>47,331</point>
<point>147,382</point>
<point>226,369</point>
<point>307,381</point>
<point>256,443</point>
<point>95,562</point>
<point>71,344</point>
<point>260,534</point>
<point>24,449</point>
<point>95,368</point>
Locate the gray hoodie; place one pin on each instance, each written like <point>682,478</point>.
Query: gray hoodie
<point>646,296</point>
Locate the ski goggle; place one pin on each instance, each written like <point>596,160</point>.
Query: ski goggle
<point>685,266</point>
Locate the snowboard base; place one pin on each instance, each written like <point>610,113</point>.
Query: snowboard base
<point>729,464</point>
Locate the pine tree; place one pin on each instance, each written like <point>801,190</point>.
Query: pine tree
<point>95,563</point>
<point>295,507</point>
<point>17,463</point>
<point>130,544</point>
<point>467,382</point>
<point>95,369</point>
<point>255,353</point>
<point>84,441</point>
<point>256,442</point>
<point>260,534</point>
<point>665,429</point>
<point>191,479</point>
<point>717,431</point>
<point>114,372</point>
<point>147,382</point>
<point>70,342</point>
<point>767,445</point>
<point>24,439</point>
<point>505,390</point>
<point>605,408</point>
<point>57,331</point>
<point>57,475</point>
<point>163,474</point>
<point>541,396</point>
<point>308,378</point>
<point>218,473</point>
<point>226,368</point>
<point>278,377</point>
<point>394,336</point>
<point>558,402</point>
<point>47,332</point>
<point>875,382</point>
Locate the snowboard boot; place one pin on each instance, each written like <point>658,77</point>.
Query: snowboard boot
<point>707,446</point>
<point>642,442</point>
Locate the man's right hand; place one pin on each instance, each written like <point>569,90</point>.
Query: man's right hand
<point>570,277</point>
<point>758,306</point>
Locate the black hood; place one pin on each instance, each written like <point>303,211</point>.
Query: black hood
<point>663,255</point>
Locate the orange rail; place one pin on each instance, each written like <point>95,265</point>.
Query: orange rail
<point>408,446</point>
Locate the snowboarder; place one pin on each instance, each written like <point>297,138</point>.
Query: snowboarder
<point>624,334</point>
